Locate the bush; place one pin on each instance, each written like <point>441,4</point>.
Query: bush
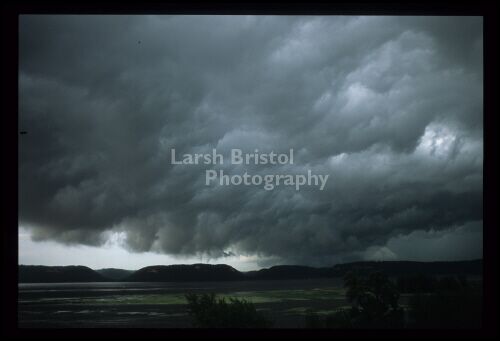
<point>446,302</point>
<point>209,311</point>
<point>374,301</point>
<point>453,305</point>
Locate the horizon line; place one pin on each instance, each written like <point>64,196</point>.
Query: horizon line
<point>262,268</point>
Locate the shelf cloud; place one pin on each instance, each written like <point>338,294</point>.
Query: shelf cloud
<point>390,107</point>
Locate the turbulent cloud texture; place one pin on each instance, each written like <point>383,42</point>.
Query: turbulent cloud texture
<point>390,107</point>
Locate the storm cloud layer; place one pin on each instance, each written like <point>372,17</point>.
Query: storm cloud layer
<point>390,107</point>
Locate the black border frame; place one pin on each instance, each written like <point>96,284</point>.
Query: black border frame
<point>10,135</point>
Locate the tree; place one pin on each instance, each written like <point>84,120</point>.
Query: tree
<point>209,311</point>
<point>454,304</point>
<point>374,301</point>
<point>374,304</point>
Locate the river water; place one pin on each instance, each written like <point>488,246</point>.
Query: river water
<point>162,305</point>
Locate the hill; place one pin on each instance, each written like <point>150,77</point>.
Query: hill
<point>291,272</point>
<point>58,274</point>
<point>115,274</point>
<point>223,272</point>
<point>400,268</point>
<point>193,272</point>
<point>391,268</point>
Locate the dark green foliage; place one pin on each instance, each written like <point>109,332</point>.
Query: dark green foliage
<point>454,304</point>
<point>374,301</point>
<point>210,311</point>
<point>446,302</point>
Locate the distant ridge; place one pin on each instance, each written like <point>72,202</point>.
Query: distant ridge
<point>470,267</point>
<point>292,272</point>
<point>58,274</point>
<point>224,272</point>
<point>391,268</point>
<point>115,274</point>
<point>179,273</point>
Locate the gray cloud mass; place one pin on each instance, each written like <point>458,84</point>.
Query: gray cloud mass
<point>390,107</point>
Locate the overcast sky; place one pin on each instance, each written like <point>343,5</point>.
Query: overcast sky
<point>390,107</point>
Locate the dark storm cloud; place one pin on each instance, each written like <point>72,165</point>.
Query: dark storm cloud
<point>390,107</point>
